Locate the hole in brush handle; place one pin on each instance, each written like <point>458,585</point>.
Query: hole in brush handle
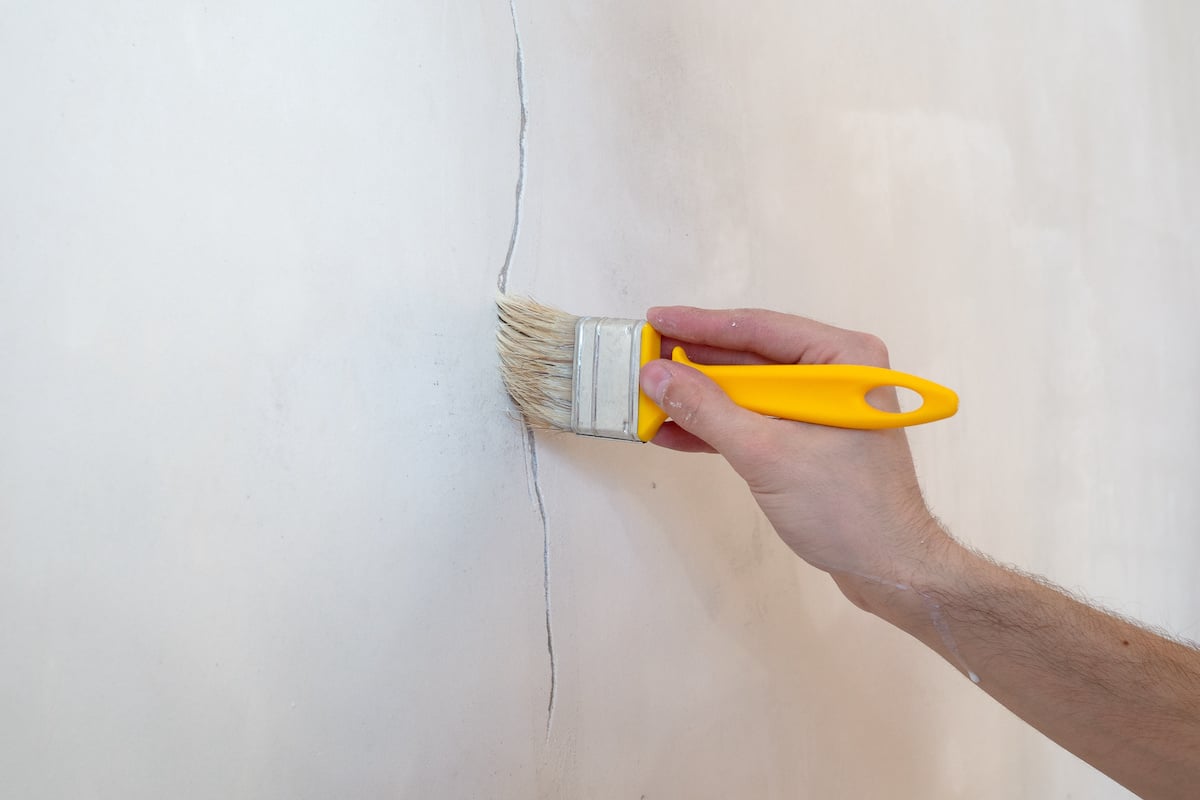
<point>895,399</point>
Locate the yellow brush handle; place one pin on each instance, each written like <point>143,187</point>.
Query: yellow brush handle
<point>824,394</point>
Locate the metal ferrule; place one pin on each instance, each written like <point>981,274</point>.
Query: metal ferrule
<point>608,355</point>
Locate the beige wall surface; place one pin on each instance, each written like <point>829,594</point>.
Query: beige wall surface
<point>267,528</point>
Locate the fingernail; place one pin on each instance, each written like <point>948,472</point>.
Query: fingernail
<point>655,377</point>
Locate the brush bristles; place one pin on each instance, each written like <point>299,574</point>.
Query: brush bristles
<point>537,360</point>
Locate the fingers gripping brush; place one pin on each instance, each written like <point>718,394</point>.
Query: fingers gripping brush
<point>581,374</point>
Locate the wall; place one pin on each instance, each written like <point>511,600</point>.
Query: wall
<point>267,528</point>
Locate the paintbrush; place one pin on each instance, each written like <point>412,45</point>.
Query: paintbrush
<point>581,374</point>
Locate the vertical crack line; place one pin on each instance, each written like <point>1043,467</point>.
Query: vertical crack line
<point>502,286</point>
<point>531,450</point>
<point>502,278</point>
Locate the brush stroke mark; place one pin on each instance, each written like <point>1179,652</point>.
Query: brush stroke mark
<point>535,480</point>
<point>502,278</point>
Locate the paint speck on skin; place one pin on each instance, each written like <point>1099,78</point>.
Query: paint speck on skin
<point>943,629</point>
<point>935,617</point>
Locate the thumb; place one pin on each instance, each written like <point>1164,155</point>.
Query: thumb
<point>700,406</point>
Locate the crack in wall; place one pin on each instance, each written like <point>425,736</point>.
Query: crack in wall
<point>528,435</point>
<point>531,449</point>
<point>502,278</point>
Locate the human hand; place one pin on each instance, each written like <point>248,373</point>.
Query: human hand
<point>847,501</point>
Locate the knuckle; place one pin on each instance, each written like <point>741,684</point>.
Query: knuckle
<point>873,348</point>
<point>688,405</point>
<point>682,401</point>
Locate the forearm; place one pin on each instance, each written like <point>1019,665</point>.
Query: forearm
<point>1122,698</point>
<point>848,502</point>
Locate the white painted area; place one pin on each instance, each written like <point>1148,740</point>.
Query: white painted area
<point>266,530</point>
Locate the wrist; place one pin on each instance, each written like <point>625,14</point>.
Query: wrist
<point>934,565</point>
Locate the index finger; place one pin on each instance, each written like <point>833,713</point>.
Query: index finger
<point>779,337</point>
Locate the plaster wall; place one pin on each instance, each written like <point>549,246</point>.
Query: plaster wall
<point>267,528</point>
